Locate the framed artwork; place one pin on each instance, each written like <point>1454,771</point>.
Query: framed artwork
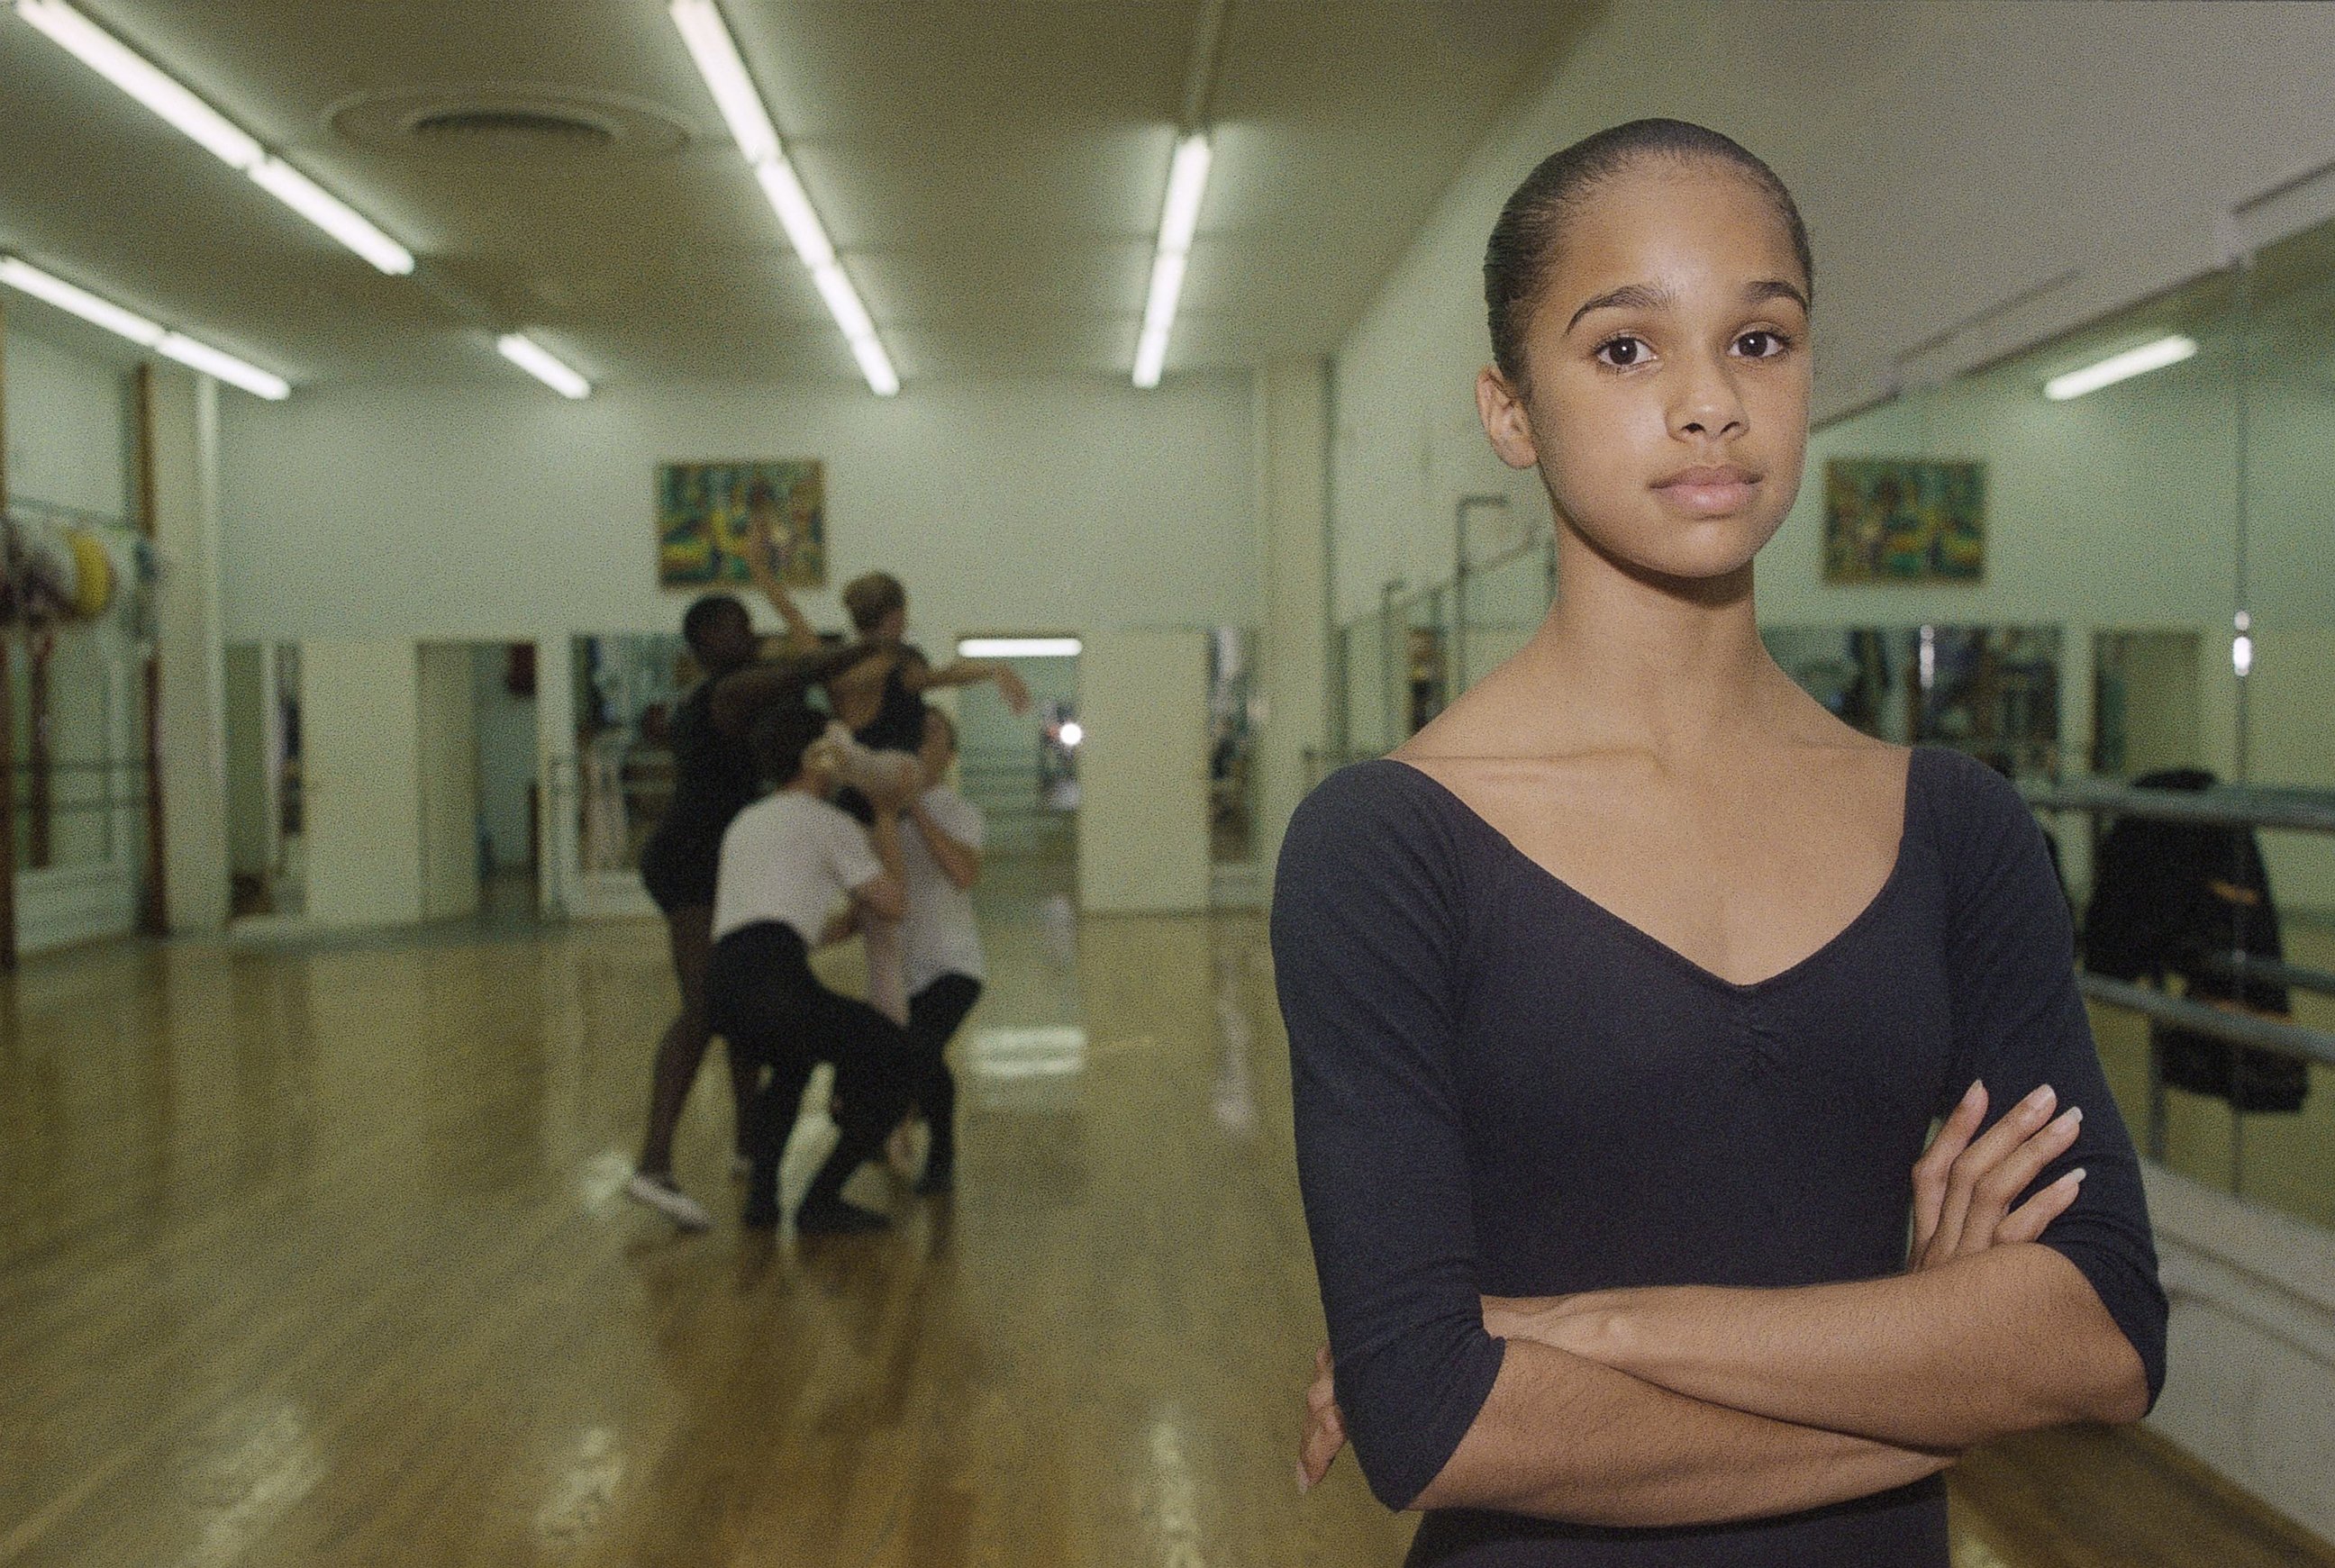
<point>706,512</point>
<point>1904,520</point>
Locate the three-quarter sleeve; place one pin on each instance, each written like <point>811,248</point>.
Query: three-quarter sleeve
<point>2020,1023</point>
<point>1369,932</point>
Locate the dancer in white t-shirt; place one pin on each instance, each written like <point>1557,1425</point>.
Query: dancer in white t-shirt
<point>940,851</point>
<point>787,861</point>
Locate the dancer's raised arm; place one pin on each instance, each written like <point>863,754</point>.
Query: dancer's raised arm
<point>920,677</point>
<point>762,565</point>
<point>742,695</point>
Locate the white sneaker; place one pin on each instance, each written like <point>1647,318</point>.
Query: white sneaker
<point>660,1194</point>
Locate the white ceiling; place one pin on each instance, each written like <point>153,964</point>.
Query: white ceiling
<point>992,172</point>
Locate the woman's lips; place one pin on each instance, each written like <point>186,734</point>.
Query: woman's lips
<point>1710,492</point>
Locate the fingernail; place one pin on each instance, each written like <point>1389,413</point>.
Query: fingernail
<point>2039,1099</point>
<point>1303,1485</point>
<point>2074,1176</point>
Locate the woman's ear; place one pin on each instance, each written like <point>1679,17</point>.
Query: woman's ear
<point>1502,410</point>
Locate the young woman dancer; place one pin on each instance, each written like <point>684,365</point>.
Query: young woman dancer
<point>881,702</point>
<point>882,697</point>
<point>713,779</point>
<point>786,862</point>
<point>1621,999</point>
<point>940,847</point>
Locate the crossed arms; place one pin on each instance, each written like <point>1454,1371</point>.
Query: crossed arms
<point>1696,1405</point>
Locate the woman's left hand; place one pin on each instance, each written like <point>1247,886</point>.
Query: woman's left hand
<point>1326,1424</point>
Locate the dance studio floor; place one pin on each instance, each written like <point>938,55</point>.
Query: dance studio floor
<point>314,1254</point>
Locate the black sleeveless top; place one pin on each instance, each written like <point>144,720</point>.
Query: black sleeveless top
<point>713,779</point>
<point>898,726</point>
<point>899,722</point>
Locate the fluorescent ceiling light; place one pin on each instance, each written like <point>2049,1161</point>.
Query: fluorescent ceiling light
<point>1179,218</point>
<point>145,334</point>
<point>102,312</point>
<point>111,58</point>
<point>2123,366</point>
<point>178,105</point>
<point>718,60</point>
<point>532,357</point>
<point>1018,647</point>
<point>226,367</point>
<point>710,45</point>
<point>330,214</point>
<point>795,213</point>
<point>876,365</point>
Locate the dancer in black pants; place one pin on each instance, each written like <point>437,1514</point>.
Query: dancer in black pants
<point>786,861</point>
<point>713,780</point>
<point>940,849</point>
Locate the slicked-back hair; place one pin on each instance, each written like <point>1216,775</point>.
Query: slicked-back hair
<point>1524,241</point>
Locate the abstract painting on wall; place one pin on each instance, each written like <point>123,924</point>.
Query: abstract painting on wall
<point>1899,520</point>
<point>706,514</point>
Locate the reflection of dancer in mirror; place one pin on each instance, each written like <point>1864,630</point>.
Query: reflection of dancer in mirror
<point>940,846</point>
<point>713,779</point>
<point>1622,998</point>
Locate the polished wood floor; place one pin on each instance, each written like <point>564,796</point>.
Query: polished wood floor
<point>316,1254</point>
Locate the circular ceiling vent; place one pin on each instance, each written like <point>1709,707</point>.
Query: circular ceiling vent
<point>502,120</point>
<point>519,124</point>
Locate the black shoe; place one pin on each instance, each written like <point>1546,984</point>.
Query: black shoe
<point>838,1218</point>
<point>937,1181</point>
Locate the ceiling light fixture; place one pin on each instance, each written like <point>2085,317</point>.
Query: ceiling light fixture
<point>1018,647</point>
<point>101,312</point>
<point>178,105</point>
<point>710,44</point>
<point>2118,367</point>
<point>1179,218</point>
<point>538,362</point>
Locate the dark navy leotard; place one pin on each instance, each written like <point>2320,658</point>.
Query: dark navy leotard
<point>1503,1089</point>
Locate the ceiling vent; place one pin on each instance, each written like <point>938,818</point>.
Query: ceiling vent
<point>511,125</point>
<point>503,120</point>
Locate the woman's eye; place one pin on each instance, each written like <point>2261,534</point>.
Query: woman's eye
<point>1621,352</point>
<point>1761,345</point>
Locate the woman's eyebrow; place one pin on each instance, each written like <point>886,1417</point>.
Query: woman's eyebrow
<point>1629,297</point>
<point>1648,297</point>
<point>1771,288</point>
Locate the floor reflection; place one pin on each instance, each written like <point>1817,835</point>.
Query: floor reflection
<point>315,1256</point>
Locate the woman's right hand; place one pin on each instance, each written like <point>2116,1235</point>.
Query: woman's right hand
<point>1964,1184</point>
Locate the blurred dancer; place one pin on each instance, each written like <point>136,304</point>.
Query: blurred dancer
<point>786,861</point>
<point>939,850</point>
<point>713,780</point>
<point>882,700</point>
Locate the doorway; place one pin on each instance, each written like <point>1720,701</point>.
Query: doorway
<point>1022,768</point>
